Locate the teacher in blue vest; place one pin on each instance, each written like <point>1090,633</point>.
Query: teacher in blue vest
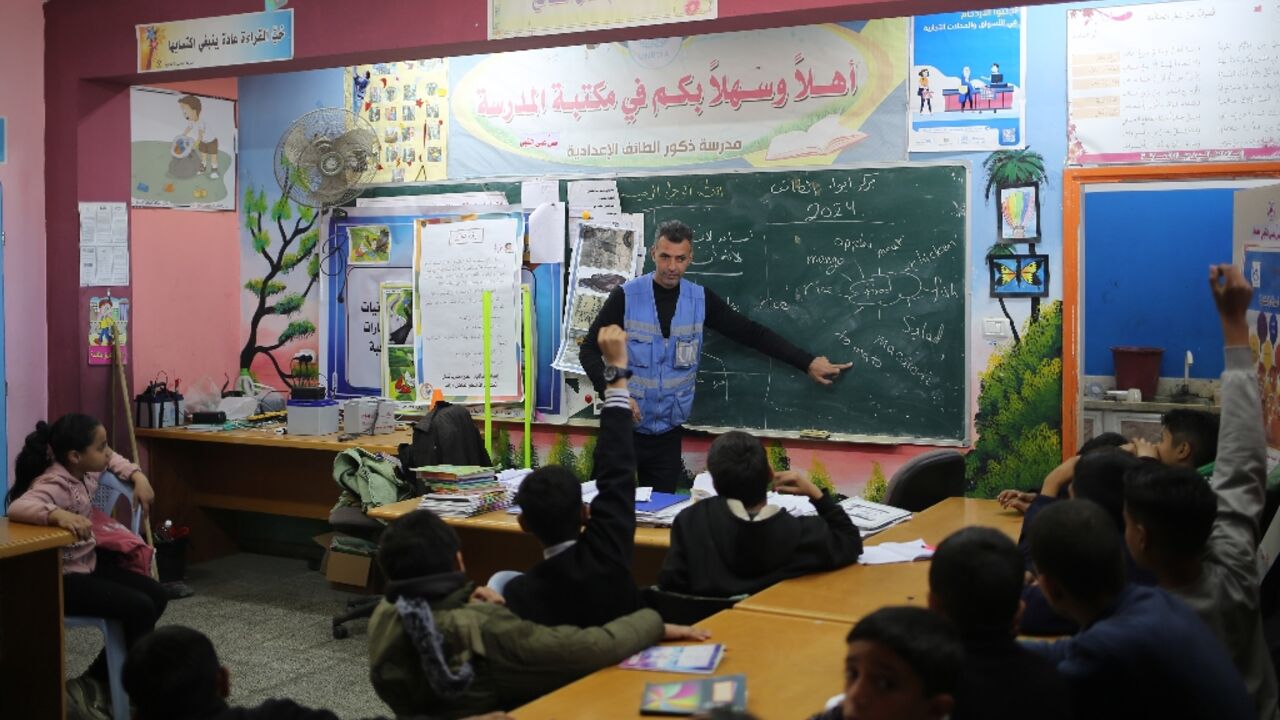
<point>664,316</point>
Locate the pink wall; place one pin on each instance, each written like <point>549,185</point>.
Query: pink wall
<point>22,103</point>
<point>186,282</point>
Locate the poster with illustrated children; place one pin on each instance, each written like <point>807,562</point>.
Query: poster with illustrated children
<point>108,318</point>
<point>183,150</point>
<point>407,103</point>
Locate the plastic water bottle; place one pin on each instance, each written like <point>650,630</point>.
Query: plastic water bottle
<point>244,383</point>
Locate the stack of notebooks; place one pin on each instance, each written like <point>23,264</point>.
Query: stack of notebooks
<point>461,491</point>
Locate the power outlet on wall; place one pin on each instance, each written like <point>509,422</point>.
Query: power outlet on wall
<point>995,328</point>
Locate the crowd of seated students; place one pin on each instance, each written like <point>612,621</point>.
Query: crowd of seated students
<point>1144,555</point>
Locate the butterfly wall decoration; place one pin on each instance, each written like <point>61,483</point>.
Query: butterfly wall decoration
<point>1019,275</point>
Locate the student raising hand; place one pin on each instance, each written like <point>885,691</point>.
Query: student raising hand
<point>1231,293</point>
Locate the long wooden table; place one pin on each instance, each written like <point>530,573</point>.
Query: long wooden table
<point>31,659</point>
<point>792,666</point>
<point>248,470</point>
<point>494,541</point>
<point>789,639</point>
<point>848,594</point>
<point>266,472</point>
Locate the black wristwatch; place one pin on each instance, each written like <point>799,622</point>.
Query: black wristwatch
<point>613,373</point>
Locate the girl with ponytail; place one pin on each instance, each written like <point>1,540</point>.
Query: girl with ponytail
<point>55,478</point>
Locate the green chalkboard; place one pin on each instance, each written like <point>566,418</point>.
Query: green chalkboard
<point>866,265</point>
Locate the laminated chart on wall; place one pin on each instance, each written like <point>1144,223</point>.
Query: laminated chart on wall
<point>182,150</point>
<point>605,255</point>
<point>455,262</point>
<point>1193,81</point>
<point>408,105</point>
<point>399,371</point>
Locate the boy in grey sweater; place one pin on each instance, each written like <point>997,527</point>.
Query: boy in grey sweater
<point>1201,539</point>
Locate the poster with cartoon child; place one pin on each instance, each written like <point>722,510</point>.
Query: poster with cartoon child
<point>108,318</point>
<point>183,150</point>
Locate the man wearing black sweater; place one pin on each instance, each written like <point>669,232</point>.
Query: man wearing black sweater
<point>737,544</point>
<point>664,315</point>
<point>585,576</point>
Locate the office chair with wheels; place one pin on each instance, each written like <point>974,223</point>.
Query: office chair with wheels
<point>926,480</point>
<point>110,493</point>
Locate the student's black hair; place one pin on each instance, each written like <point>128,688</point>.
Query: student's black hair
<point>976,576</point>
<point>416,545</point>
<point>1076,543</point>
<point>739,467</point>
<point>674,231</point>
<point>173,672</point>
<point>1105,440</point>
<point>926,642</point>
<point>1174,503</point>
<point>47,443</point>
<point>550,501</point>
<point>1099,476</point>
<point>1197,428</point>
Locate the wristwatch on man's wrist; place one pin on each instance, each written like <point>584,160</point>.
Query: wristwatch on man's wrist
<point>613,373</point>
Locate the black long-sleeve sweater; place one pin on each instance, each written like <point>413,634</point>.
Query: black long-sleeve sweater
<point>719,317</point>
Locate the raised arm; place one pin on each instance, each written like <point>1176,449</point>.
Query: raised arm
<point>742,329</point>
<point>1239,473</point>
<point>613,312</point>
<point>613,511</point>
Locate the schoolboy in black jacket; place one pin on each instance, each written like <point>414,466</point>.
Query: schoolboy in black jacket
<point>736,544</point>
<point>585,578</point>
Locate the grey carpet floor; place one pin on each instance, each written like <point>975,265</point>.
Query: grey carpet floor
<point>269,619</point>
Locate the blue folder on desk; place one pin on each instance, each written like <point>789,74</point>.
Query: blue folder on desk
<point>660,500</point>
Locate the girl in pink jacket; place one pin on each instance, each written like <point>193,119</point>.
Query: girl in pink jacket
<point>56,476</point>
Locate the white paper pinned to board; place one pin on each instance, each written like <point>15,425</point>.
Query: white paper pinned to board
<point>546,233</point>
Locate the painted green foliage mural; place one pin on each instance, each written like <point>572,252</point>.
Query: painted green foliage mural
<point>1019,420</point>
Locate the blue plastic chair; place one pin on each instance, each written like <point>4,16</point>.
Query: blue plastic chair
<point>110,492</point>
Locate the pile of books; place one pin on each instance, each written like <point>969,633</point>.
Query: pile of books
<point>461,491</point>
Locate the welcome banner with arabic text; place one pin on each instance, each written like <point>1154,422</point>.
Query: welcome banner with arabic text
<point>790,96</point>
<point>523,18</point>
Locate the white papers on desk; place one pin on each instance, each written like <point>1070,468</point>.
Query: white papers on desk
<point>869,517</point>
<point>511,479</point>
<point>104,244</point>
<point>899,552</point>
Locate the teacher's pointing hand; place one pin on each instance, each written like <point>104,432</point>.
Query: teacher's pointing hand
<point>823,371</point>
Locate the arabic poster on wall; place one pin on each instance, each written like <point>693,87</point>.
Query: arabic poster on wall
<point>524,18</point>
<point>604,257</point>
<point>1256,240</point>
<point>784,97</point>
<point>454,263</point>
<point>407,104</point>
<point>108,317</point>
<point>215,41</point>
<point>967,81</point>
<point>183,150</point>
<point>1191,81</point>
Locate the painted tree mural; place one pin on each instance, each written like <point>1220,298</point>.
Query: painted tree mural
<point>1019,420</point>
<point>295,247</point>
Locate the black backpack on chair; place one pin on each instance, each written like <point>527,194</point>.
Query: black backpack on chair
<point>446,436</point>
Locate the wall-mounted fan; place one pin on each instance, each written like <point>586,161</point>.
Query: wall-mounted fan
<point>325,157</point>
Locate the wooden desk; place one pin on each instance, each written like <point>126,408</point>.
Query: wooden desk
<point>31,643</point>
<point>792,666</point>
<point>848,594</point>
<point>494,541</point>
<point>248,470</point>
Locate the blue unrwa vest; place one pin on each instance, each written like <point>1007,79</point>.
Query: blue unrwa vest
<point>665,369</point>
